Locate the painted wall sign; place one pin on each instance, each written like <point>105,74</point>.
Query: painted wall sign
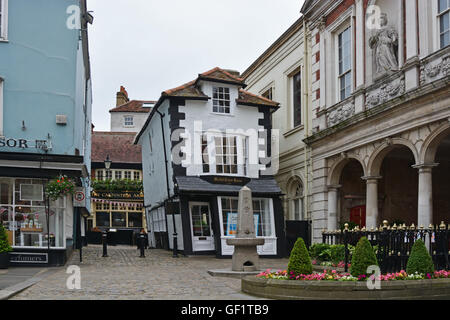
<point>236,181</point>
<point>27,257</point>
<point>24,143</point>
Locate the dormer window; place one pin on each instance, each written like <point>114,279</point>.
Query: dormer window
<point>221,100</point>
<point>129,121</point>
<point>444,22</point>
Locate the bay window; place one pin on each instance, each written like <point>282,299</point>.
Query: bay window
<point>444,22</point>
<point>224,154</point>
<point>24,215</point>
<point>345,63</point>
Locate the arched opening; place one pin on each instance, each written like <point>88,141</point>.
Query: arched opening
<point>352,195</point>
<point>296,200</point>
<point>441,182</point>
<point>398,187</point>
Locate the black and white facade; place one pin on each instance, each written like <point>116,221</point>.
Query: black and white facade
<point>202,142</point>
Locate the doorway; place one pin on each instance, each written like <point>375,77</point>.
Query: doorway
<point>201,230</point>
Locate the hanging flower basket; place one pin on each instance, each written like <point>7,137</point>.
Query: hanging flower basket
<point>60,187</point>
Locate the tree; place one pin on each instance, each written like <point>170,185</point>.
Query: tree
<point>362,258</point>
<point>420,260</point>
<point>299,261</point>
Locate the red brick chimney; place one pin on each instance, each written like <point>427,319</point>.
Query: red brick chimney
<point>122,97</point>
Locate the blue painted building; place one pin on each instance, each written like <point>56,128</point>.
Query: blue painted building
<point>45,125</point>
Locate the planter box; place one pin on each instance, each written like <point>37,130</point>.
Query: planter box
<point>4,260</point>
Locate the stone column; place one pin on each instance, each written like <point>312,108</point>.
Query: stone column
<point>371,201</point>
<point>332,207</point>
<point>425,201</point>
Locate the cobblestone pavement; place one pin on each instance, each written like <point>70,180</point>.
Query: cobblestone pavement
<point>125,276</point>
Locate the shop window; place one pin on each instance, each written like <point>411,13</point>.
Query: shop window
<point>119,219</point>
<point>102,219</point>
<point>117,174</point>
<point>135,219</point>
<point>137,175</point>
<point>262,215</point>
<point>108,175</point>
<point>24,215</point>
<point>100,175</point>
<point>127,175</point>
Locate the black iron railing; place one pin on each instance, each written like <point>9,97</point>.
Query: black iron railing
<point>393,244</point>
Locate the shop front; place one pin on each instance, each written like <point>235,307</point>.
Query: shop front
<point>36,232</point>
<point>209,216</point>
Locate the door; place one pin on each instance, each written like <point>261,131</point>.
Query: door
<point>202,235</point>
<point>358,216</point>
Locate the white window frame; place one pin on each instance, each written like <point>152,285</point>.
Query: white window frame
<point>344,27</point>
<point>439,16</point>
<point>218,99</point>
<point>291,83</point>
<point>242,159</point>
<point>271,213</point>
<point>125,121</point>
<point>4,21</point>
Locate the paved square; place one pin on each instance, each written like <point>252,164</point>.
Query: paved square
<point>125,276</point>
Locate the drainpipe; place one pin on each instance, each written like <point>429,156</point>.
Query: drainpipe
<point>175,236</point>
<point>306,100</point>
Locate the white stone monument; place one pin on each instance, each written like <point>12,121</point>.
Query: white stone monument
<point>245,256</point>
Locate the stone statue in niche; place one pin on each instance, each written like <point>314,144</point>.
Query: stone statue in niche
<point>384,44</point>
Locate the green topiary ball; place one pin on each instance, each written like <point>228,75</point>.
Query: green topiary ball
<point>299,261</point>
<point>420,260</point>
<point>362,258</point>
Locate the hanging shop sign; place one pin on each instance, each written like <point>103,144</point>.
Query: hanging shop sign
<point>235,181</point>
<point>26,257</point>
<point>24,143</point>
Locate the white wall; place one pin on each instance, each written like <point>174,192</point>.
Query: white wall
<point>199,117</point>
<point>118,124</point>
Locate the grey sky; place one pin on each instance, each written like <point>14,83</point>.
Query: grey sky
<point>149,46</point>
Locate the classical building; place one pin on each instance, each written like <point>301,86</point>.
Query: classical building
<point>201,143</point>
<point>381,123</point>
<point>129,115</point>
<point>117,197</point>
<point>45,126</point>
<point>282,73</point>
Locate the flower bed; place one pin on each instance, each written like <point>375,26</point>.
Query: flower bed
<point>333,275</point>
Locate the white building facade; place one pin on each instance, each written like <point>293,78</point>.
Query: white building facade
<point>202,142</point>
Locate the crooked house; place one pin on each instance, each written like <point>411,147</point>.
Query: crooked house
<point>201,143</point>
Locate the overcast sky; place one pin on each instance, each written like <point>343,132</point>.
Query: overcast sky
<point>150,46</point>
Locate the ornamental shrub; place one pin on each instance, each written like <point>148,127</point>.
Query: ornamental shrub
<point>362,258</point>
<point>299,261</point>
<point>320,251</point>
<point>420,260</point>
<point>337,253</point>
<point>4,244</point>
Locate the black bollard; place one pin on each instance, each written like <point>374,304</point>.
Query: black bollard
<point>142,244</point>
<point>105,243</point>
